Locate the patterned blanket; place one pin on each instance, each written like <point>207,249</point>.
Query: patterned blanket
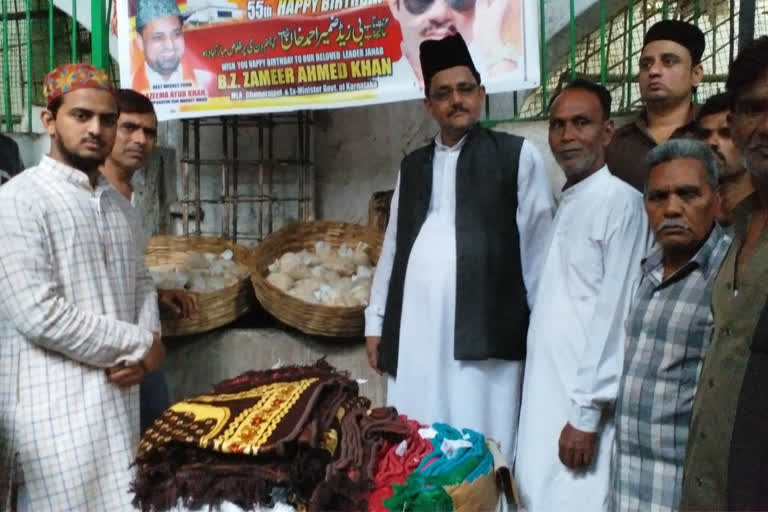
<point>299,434</point>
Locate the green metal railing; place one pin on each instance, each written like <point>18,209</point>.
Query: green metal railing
<point>609,53</point>
<point>26,62</point>
<point>46,37</point>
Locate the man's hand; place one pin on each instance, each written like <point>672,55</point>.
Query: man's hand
<point>154,357</point>
<point>372,349</point>
<point>577,448</point>
<point>180,303</point>
<point>125,376</point>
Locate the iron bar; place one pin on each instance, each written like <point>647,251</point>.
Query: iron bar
<point>198,192</point>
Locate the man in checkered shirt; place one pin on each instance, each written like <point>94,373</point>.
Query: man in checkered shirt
<point>669,327</point>
<point>78,313</point>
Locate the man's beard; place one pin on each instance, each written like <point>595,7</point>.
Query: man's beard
<point>166,67</point>
<point>86,164</point>
<point>667,102</point>
<point>577,169</point>
<point>759,172</point>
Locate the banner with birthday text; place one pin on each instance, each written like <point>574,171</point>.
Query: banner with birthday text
<point>199,58</point>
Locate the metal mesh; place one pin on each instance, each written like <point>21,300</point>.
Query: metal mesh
<point>718,19</point>
<point>35,38</point>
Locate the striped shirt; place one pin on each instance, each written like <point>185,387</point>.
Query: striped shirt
<point>668,331</point>
<point>73,290</point>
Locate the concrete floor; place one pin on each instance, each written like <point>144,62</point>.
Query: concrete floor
<point>195,363</point>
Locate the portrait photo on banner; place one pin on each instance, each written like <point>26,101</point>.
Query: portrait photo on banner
<point>199,58</point>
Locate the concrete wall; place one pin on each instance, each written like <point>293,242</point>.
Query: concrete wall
<point>359,152</point>
<point>197,362</point>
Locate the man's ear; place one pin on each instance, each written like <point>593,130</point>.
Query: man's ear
<point>719,207</point>
<point>608,130</point>
<point>428,105</point>
<point>697,74</point>
<point>49,122</point>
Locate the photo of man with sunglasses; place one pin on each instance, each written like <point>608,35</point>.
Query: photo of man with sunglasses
<point>481,23</point>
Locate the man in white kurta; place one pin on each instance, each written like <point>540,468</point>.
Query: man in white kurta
<point>431,384</point>
<point>576,333</point>
<point>77,308</point>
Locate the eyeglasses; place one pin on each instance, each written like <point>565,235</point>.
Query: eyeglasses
<point>421,6</point>
<point>464,89</point>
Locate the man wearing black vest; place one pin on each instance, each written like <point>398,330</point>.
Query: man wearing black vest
<point>470,223</point>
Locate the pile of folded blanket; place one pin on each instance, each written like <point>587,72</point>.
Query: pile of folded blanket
<point>301,436</point>
<point>440,468</point>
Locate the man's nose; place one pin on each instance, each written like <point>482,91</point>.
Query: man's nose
<point>655,68</point>
<point>439,12</point>
<point>674,207</point>
<point>568,132</point>
<point>139,137</point>
<point>94,126</point>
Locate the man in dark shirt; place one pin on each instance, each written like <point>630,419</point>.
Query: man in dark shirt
<point>712,128</point>
<point>10,159</point>
<point>669,71</point>
<point>726,466</point>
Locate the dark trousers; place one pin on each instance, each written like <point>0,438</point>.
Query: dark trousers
<point>154,399</point>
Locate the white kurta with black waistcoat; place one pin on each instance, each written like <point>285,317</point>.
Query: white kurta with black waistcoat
<point>431,386</point>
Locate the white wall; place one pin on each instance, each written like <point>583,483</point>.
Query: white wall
<point>84,16</point>
<point>32,147</point>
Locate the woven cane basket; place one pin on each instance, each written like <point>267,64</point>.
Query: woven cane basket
<point>215,308</point>
<point>316,319</point>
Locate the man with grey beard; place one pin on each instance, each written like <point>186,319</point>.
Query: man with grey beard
<point>576,333</point>
<point>669,327</point>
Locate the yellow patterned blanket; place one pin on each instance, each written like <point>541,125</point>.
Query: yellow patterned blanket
<point>299,434</point>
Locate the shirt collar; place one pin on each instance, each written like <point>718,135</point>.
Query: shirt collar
<point>442,147</point>
<point>588,182</point>
<point>641,122</point>
<point>702,259</point>
<point>67,173</point>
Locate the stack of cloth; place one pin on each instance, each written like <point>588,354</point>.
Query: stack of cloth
<point>298,435</point>
<point>438,469</point>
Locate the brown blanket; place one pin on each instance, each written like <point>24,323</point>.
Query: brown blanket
<point>302,430</point>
